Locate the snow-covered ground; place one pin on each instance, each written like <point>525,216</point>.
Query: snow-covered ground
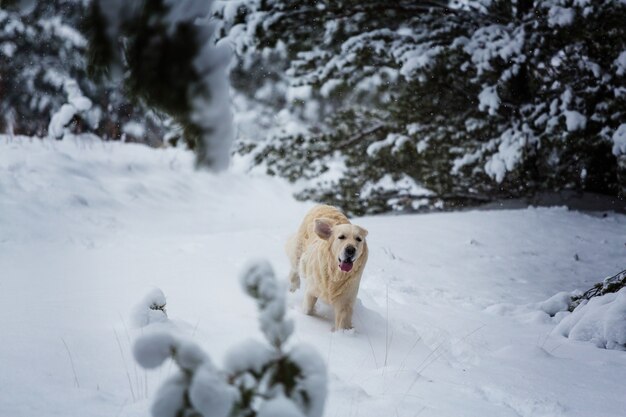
<point>450,320</point>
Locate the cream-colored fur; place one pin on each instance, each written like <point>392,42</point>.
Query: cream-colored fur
<point>316,252</point>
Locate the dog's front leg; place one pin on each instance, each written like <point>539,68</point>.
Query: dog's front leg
<point>308,304</point>
<point>343,316</point>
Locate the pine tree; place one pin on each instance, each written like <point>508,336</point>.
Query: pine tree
<point>422,104</point>
<point>44,53</point>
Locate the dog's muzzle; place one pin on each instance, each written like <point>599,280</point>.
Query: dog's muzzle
<point>347,262</point>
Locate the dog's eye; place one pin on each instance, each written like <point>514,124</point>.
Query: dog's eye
<point>342,237</point>
<point>358,239</point>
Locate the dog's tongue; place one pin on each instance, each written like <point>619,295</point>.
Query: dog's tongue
<point>345,266</point>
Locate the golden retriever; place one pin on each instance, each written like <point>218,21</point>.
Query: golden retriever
<point>330,253</point>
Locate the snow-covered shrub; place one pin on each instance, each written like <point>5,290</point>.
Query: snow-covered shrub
<point>608,285</point>
<point>257,379</point>
<point>600,320</point>
<point>152,309</point>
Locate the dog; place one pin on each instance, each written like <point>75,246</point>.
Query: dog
<point>330,253</point>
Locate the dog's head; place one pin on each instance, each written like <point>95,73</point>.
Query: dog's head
<point>347,241</point>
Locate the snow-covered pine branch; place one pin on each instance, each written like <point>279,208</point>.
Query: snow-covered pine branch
<point>257,379</point>
<point>166,53</point>
<point>495,98</point>
<point>151,309</point>
<point>598,314</point>
<point>43,50</point>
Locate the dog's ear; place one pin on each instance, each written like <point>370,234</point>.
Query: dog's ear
<point>323,228</point>
<point>364,232</point>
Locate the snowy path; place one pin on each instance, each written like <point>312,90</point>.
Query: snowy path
<point>446,325</point>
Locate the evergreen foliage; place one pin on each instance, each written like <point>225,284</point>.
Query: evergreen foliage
<point>42,55</point>
<point>257,380</point>
<point>608,285</point>
<point>164,51</point>
<point>423,104</point>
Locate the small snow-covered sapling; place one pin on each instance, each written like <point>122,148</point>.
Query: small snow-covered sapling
<point>257,380</point>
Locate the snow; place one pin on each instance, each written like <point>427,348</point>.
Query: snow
<point>416,58</point>
<point>259,281</point>
<point>453,316</point>
<point>60,119</point>
<point>557,303</point>
<point>151,309</point>
<point>404,185</point>
<point>189,356</point>
<point>300,92</point>
<point>393,140</point>
<point>152,349</point>
<point>329,86</point>
<point>314,379</point>
<point>560,16</point>
<point>76,103</point>
<point>63,31</point>
<point>213,112</point>
<point>134,129</point>
<point>620,63</point>
<point>170,397</point>
<point>488,100</point>
<point>493,41</point>
<point>508,155</point>
<point>619,140</point>
<point>574,120</point>
<point>601,321</point>
<point>75,97</point>
<point>249,354</point>
<point>8,49</point>
<point>279,407</point>
<point>210,394</point>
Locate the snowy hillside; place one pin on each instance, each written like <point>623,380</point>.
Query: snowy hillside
<point>450,320</point>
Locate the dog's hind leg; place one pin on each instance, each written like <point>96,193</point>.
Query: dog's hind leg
<point>294,254</point>
<point>294,280</point>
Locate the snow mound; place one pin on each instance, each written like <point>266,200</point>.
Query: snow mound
<point>557,303</point>
<point>602,321</point>
<point>551,310</point>
<point>151,309</point>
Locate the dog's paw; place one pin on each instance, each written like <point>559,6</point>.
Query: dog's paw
<point>347,332</point>
<point>294,285</point>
